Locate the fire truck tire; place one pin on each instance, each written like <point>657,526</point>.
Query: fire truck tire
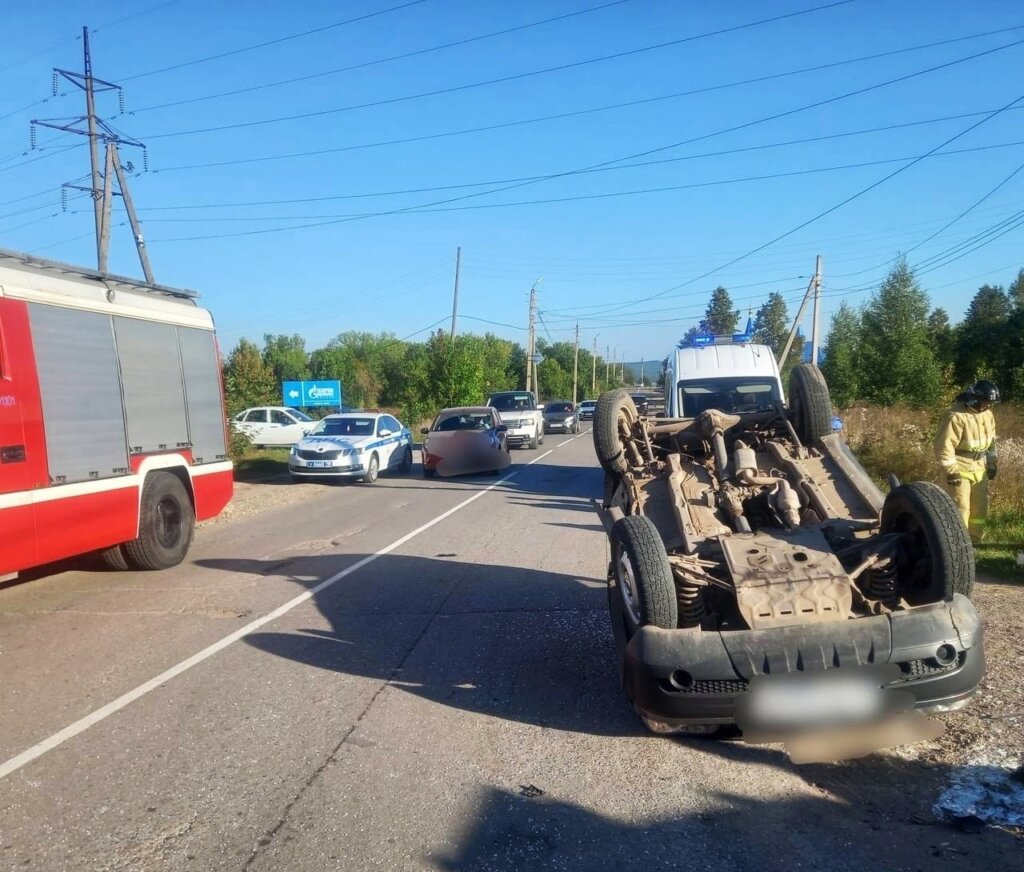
<point>810,404</point>
<point>166,524</point>
<point>113,558</point>
<point>935,559</point>
<point>613,420</point>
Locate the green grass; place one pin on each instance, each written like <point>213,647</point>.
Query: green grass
<point>1004,537</point>
<point>259,463</point>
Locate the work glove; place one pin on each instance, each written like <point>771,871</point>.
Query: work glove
<point>953,479</point>
<point>991,471</point>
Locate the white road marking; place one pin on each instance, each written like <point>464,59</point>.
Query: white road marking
<point>104,712</point>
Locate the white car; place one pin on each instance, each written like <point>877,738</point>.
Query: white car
<point>273,425</point>
<point>353,445</point>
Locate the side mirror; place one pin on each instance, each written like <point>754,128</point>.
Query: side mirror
<point>502,428</point>
<point>424,430</point>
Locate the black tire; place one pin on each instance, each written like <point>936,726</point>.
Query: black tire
<point>114,559</point>
<point>615,412</point>
<point>406,465</point>
<point>429,473</point>
<point>935,559</point>
<point>372,469</point>
<point>166,524</point>
<point>641,576</point>
<point>809,403</point>
<point>534,443</point>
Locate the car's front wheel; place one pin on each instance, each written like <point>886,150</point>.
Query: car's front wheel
<point>406,466</point>
<point>372,469</point>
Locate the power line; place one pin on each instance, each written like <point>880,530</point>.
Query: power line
<point>365,64</point>
<point>515,77</point>
<point>277,41</point>
<point>611,161</point>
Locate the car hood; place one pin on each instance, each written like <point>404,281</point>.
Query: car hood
<point>332,443</point>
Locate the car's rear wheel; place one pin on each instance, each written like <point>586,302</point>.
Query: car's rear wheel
<point>166,524</point>
<point>372,469</point>
<point>934,559</point>
<point>810,403</point>
<point>641,575</point>
<point>613,426</point>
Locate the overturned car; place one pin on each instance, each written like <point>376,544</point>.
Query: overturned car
<point>752,557</point>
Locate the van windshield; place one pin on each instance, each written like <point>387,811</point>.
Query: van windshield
<point>727,395</point>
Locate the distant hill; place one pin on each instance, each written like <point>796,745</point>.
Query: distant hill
<point>651,370</point>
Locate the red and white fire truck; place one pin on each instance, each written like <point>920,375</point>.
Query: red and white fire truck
<point>112,425</point>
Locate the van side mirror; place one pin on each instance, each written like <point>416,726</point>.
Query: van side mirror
<point>424,430</point>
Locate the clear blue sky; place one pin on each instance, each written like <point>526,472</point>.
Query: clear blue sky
<point>603,249</point>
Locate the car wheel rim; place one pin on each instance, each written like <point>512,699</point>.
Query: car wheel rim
<point>628,586</point>
<point>168,522</point>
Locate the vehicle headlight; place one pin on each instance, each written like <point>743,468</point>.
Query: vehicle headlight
<point>357,450</point>
<point>294,451</point>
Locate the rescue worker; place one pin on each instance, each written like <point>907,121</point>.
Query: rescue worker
<point>965,446</point>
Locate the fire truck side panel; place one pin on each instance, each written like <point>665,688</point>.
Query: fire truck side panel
<point>82,406</point>
<point>212,488</point>
<point>200,364</point>
<point>154,391</point>
<point>86,516</point>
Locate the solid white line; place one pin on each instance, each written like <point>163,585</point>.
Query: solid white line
<point>104,712</point>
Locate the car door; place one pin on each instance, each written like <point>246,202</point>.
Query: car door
<point>282,429</point>
<point>255,426</point>
<point>388,431</point>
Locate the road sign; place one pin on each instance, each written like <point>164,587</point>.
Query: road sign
<point>537,358</point>
<point>307,394</point>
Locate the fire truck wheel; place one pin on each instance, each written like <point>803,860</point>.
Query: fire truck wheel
<point>166,524</point>
<point>113,558</point>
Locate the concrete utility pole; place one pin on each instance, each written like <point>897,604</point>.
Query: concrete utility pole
<point>455,296</point>
<point>641,372</point>
<point>593,368</point>
<point>97,130</point>
<point>575,363</point>
<point>607,357</point>
<point>814,315</point>
<point>811,289</point>
<point>531,341</point>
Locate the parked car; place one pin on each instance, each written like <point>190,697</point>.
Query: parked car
<point>353,445</point>
<point>750,550</point>
<point>586,410</point>
<point>273,426</point>
<point>561,415</point>
<point>463,440</point>
<point>519,412</point>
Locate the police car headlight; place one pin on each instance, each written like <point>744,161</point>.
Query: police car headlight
<point>294,451</point>
<point>357,450</point>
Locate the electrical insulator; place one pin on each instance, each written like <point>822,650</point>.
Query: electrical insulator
<point>145,161</point>
<point>56,82</point>
<point>120,99</point>
<point>63,199</point>
<point>32,136</point>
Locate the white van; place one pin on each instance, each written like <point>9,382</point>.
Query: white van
<point>720,373</point>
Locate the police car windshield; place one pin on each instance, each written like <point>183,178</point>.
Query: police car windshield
<point>344,427</point>
<point>727,395</point>
<point>511,402</point>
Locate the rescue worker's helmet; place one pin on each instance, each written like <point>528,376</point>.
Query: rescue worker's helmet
<point>984,391</point>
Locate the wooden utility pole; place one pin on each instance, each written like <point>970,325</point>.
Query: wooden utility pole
<point>455,296</point>
<point>575,363</point>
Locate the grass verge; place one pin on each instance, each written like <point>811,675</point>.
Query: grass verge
<point>258,463</point>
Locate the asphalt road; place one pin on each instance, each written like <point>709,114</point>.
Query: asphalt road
<point>413,675</point>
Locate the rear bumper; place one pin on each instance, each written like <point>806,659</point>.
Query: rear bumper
<point>685,677</point>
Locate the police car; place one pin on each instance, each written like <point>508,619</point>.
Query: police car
<point>353,445</point>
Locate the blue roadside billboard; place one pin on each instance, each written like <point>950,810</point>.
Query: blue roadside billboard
<point>308,394</point>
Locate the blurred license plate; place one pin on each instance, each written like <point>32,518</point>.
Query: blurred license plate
<point>814,700</point>
<point>319,464</point>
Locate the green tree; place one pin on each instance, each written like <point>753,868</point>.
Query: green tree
<point>943,338</point>
<point>248,381</point>
<point>720,316</point>
<point>898,362</point>
<point>455,370</point>
<point>983,339</point>
<point>841,365</point>
<point>286,356</point>
<point>771,323</point>
<point>1016,291</point>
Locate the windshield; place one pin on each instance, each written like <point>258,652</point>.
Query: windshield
<point>344,427</point>
<point>302,416</point>
<point>727,395</point>
<point>558,407</point>
<point>589,404</point>
<point>464,421</point>
<point>511,402</point>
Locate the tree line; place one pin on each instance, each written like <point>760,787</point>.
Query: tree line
<point>378,370</point>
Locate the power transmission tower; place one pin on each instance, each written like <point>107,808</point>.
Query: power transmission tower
<point>575,363</point>
<point>97,130</point>
<point>455,296</point>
